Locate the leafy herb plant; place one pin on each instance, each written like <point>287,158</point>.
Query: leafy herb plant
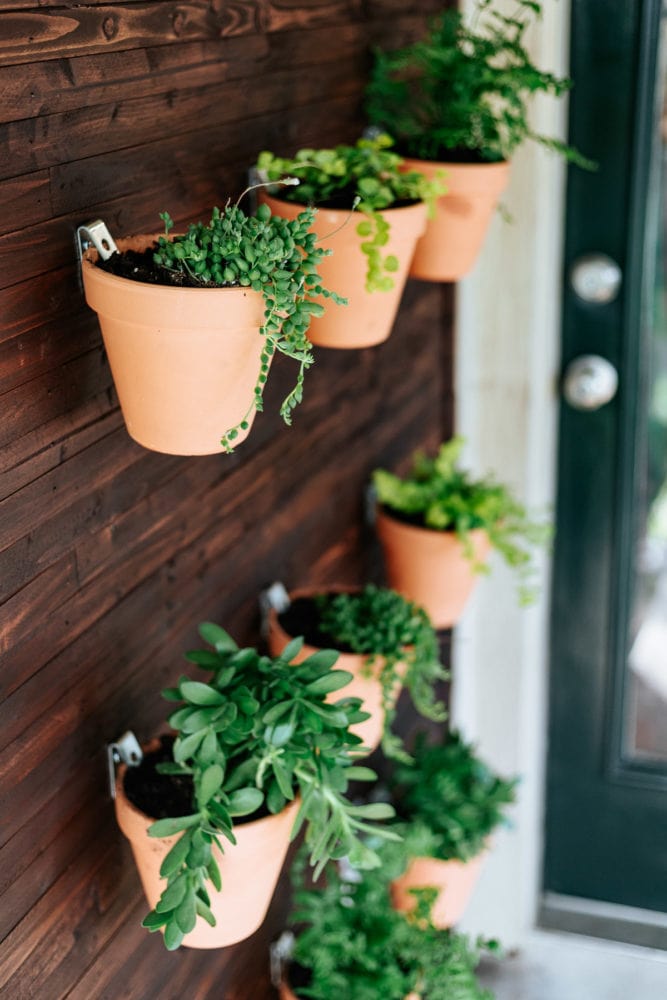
<point>463,91</point>
<point>438,494</point>
<point>386,627</point>
<point>352,944</point>
<point>273,256</point>
<point>367,177</point>
<point>449,800</point>
<point>258,733</point>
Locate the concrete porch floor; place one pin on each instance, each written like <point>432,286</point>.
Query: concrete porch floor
<point>556,966</point>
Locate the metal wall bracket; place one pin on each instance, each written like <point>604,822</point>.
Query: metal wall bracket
<point>274,598</point>
<point>280,952</point>
<point>370,505</point>
<point>97,235</point>
<point>125,750</point>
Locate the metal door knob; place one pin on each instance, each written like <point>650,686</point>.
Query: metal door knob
<point>590,382</point>
<point>596,278</point>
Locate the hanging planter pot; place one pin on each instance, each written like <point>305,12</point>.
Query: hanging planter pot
<point>229,794</point>
<point>191,323</point>
<point>249,869</point>
<point>437,524</point>
<point>449,803</point>
<point>371,211</point>
<point>184,361</point>
<point>454,880</point>
<point>430,567</point>
<point>383,641</point>
<point>365,682</point>
<point>370,315</point>
<point>454,237</point>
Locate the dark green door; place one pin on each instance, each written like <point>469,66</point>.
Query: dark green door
<point>606,825</point>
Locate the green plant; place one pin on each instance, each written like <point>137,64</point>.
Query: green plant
<point>367,177</point>
<point>273,256</point>
<point>387,627</point>
<point>438,494</point>
<point>449,800</point>
<point>353,944</point>
<point>258,733</point>
<point>463,91</point>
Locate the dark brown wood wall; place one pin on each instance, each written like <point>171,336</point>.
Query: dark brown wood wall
<point>110,555</point>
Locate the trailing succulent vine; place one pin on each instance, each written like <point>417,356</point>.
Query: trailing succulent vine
<point>463,91</point>
<point>275,257</point>
<point>351,943</point>
<point>256,734</point>
<point>367,177</point>
<point>438,494</point>
<point>388,628</point>
<point>448,799</point>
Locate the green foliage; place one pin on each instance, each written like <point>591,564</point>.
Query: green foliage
<point>356,946</point>
<point>464,90</point>
<point>449,799</point>
<point>369,173</point>
<point>273,256</point>
<point>397,633</point>
<point>438,494</point>
<point>258,732</point>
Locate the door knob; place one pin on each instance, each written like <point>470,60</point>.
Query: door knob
<point>590,382</point>
<point>596,278</point>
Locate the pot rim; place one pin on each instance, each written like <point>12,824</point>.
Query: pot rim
<point>383,512</point>
<point>345,212</point>
<point>90,257</point>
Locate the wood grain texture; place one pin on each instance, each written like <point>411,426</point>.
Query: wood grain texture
<point>110,555</point>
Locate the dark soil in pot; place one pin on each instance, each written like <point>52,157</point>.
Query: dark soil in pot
<point>162,796</point>
<point>303,618</point>
<point>138,265</point>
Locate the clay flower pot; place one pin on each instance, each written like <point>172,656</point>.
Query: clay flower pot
<point>363,685</point>
<point>453,239</point>
<point>185,361</point>
<point>249,869</point>
<point>430,567</point>
<point>369,316</point>
<point>455,881</point>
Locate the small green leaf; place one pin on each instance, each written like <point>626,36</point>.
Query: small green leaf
<point>292,649</point>
<point>210,783</point>
<point>245,801</point>
<point>186,913</point>
<point>201,694</point>
<point>217,637</point>
<point>205,911</point>
<point>175,858</point>
<point>357,773</point>
<point>154,921</point>
<point>168,827</point>
<point>172,895</point>
<point>173,936</point>
<point>333,681</point>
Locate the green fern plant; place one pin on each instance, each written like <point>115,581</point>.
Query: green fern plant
<point>351,943</point>
<point>462,93</point>
<point>438,494</point>
<point>448,802</point>
<point>367,177</point>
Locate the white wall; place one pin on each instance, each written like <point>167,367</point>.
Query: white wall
<point>507,351</point>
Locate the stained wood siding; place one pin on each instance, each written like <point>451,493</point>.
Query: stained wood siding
<point>110,554</point>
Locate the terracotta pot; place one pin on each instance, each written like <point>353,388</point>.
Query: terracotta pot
<point>184,361</point>
<point>363,685</point>
<point>249,869</point>
<point>455,881</point>
<point>453,239</point>
<point>369,316</point>
<point>286,993</point>
<point>430,567</point>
